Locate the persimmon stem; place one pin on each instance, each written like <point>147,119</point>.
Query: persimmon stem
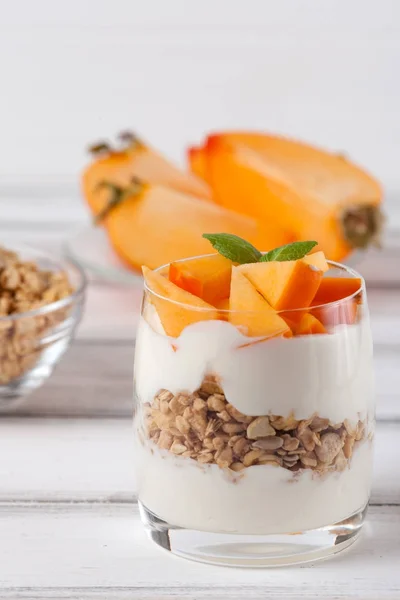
<point>100,148</point>
<point>362,226</point>
<point>127,142</point>
<point>118,195</point>
<point>130,141</point>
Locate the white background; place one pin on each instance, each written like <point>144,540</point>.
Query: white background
<point>71,72</point>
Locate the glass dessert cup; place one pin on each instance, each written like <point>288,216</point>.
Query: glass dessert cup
<point>255,451</point>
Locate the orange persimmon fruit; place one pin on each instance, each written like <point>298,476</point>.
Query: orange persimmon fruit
<point>332,289</point>
<point>184,309</point>
<point>251,312</point>
<point>285,285</point>
<point>307,325</point>
<point>207,277</point>
<point>135,159</point>
<point>334,302</point>
<point>312,193</point>
<point>153,225</point>
<point>223,304</point>
<point>197,159</point>
<point>318,260</point>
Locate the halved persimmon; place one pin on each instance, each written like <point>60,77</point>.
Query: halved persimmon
<point>197,158</point>
<point>152,225</point>
<point>312,193</point>
<point>135,159</point>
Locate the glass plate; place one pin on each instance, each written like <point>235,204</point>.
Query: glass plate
<point>90,248</point>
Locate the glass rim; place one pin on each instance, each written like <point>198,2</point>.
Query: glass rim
<point>51,306</point>
<point>226,311</point>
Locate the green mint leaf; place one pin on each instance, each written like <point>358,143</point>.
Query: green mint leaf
<point>292,251</point>
<point>233,247</point>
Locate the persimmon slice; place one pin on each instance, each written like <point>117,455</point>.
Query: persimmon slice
<point>251,312</point>
<point>176,308</point>
<point>207,277</point>
<point>285,285</point>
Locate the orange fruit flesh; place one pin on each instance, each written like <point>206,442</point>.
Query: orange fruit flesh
<point>317,260</point>
<point>243,291</point>
<point>159,226</point>
<point>175,307</point>
<point>296,186</point>
<point>308,325</point>
<point>255,316</point>
<point>334,289</point>
<point>285,285</point>
<point>208,278</point>
<point>144,163</point>
<point>197,159</point>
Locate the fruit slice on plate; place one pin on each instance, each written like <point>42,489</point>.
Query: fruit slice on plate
<point>175,307</point>
<point>207,277</point>
<point>152,225</point>
<point>135,159</point>
<point>197,159</point>
<point>313,193</point>
<point>254,316</point>
<point>285,285</point>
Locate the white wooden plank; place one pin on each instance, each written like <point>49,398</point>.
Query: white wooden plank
<point>57,460</point>
<point>78,551</point>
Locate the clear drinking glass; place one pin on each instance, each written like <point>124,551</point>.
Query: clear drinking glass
<point>255,452</point>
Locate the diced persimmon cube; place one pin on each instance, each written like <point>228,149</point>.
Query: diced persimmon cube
<point>284,284</point>
<point>223,304</point>
<point>251,312</point>
<point>175,307</point>
<point>339,313</point>
<point>208,277</point>
<point>332,289</point>
<point>308,324</point>
<point>335,293</point>
<point>317,260</point>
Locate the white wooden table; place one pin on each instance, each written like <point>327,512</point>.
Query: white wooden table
<point>69,525</point>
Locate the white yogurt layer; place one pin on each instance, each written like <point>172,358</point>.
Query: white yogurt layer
<point>330,374</point>
<point>263,500</point>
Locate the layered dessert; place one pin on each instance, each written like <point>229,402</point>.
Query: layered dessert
<point>254,391</point>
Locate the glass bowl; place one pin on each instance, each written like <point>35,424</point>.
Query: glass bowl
<point>32,342</point>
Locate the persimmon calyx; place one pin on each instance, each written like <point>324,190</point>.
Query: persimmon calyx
<point>127,142</point>
<point>362,225</point>
<point>118,195</point>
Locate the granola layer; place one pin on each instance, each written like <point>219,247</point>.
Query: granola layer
<point>204,427</point>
